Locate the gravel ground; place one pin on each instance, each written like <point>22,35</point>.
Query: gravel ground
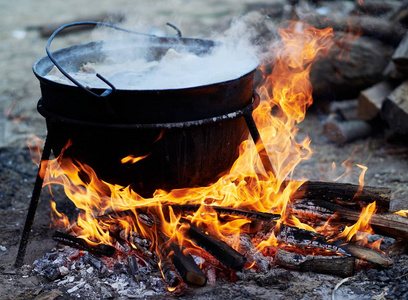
<point>19,93</point>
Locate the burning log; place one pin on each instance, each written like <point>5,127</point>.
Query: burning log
<point>97,249</point>
<point>249,214</point>
<point>301,237</point>
<point>342,266</point>
<point>344,193</point>
<point>219,249</point>
<point>184,264</point>
<point>392,225</point>
<point>253,254</point>
<point>169,273</point>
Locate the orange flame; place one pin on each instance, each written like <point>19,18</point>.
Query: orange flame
<point>285,95</point>
<point>362,225</point>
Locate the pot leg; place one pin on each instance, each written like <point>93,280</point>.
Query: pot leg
<point>34,198</point>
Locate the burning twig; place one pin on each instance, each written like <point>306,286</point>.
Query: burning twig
<point>97,249</point>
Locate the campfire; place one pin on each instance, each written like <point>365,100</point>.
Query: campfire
<point>255,216</point>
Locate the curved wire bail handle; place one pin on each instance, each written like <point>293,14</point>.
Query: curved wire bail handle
<point>107,92</point>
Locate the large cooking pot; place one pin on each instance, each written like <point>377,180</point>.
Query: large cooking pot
<point>190,135</point>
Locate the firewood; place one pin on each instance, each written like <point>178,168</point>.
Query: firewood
<point>97,249</point>
<point>344,192</point>
<point>395,112</point>
<point>186,266</point>
<point>400,56</point>
<point>377,7</point>
<point>371,100</point>
<point>301,237</point>
<point>378,28</point>
<point>348,68</point>
<point>184,263</point>
<point>249,214</point>
<point>342,132</point>
<point>346,110</point>
<point>398,248</point>
<point>254,255</point>
<point>219,249</point>
<point>170,276</point>
<point>388,224</point>
<point>342,266</point>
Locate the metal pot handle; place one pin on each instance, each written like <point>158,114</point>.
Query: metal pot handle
<point>107,92</point>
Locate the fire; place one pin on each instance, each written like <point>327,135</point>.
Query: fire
<point>285,96</point>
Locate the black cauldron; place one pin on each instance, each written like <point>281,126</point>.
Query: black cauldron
<point>190,135</point>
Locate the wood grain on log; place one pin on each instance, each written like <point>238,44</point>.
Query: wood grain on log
<point>301,237</point>
<point>395,111</point>
<point>344,192</point>
<point>388,224</point>
<point>400,56</point>
<point>342,132</point>
<point>370,100</point>
<point>342,266</point>
<point>378,28</point>
<point>348,68</point>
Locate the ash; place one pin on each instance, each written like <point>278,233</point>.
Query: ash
<point>83,275</point>
<point>79,274</point>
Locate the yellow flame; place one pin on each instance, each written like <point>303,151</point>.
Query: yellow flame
<point>285,95</point>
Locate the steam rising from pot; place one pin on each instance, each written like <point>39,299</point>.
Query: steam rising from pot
<point>142,64</point>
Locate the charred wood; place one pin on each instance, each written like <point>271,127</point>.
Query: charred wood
<point>219,249</point>
<point>253,254</point>
<point>133,267</point>
<point>342,266</point>
<point>170,276</point>
<point>344,193</point>
<point>392,225</point>
<point>186,266</point>
<point>184,263</point>
<point>301,237</point>
<point>249,214</point>
<point>97,249</point>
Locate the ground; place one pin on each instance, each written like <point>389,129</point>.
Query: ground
<point>21,46</point>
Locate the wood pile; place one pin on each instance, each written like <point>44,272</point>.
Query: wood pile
<point>367,63</point>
